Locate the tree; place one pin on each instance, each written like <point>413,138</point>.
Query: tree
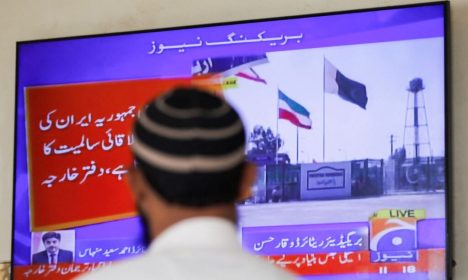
<point>264,142</point>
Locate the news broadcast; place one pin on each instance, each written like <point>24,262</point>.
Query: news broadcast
<point>345,119</point>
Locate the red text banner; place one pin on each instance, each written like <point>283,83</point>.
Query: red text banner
<point>431,261</point>
<point>78,148</point>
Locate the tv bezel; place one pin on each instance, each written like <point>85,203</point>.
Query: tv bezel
<point>449,210</point>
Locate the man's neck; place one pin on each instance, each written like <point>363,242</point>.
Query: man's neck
<point>175,213</point>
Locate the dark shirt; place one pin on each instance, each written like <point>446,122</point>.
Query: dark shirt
<point>42,257</point>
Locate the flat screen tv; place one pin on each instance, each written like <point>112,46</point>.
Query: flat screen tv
<point>345,115</point>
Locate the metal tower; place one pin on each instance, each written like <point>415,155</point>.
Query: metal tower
<point>416,123</point>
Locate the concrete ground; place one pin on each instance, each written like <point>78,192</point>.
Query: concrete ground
<point>336,211</point>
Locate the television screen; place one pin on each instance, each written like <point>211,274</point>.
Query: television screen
<point>345,118</point>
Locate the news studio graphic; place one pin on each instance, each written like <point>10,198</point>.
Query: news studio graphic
<point>399,244</point>
<point>335,249</point>
<point>393,235</point>
<point>394,243</point>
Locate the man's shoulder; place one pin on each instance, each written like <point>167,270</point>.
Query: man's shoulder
<point>41,253</point>
<point>262,269</point>
<point>65,252</point>
<point>142,270</point>
<point>40,257</point>
<point>180,265</point>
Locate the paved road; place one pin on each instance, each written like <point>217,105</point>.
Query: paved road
<point>333,211</point>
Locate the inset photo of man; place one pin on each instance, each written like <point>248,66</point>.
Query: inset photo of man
<point>53,247</point>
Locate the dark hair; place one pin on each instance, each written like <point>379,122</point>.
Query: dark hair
<point>204,117</point>
<point>51,234</point>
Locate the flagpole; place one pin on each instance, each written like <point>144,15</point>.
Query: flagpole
<point>297,145</point>
<point>277,118</point>
<point>323,111</point>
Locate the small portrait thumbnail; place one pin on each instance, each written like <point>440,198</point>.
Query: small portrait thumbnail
<point>53,247</point>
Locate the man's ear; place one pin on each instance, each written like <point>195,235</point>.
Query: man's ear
<point>249,176</point>
<point>142,192</point>
<point>135,181</point>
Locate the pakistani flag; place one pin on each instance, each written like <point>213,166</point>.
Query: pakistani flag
<point>351,91</point>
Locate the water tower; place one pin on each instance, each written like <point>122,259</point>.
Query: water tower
<point>416,139</point>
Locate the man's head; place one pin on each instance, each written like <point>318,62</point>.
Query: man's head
<point>189,151</point>
<point>51,242</point>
